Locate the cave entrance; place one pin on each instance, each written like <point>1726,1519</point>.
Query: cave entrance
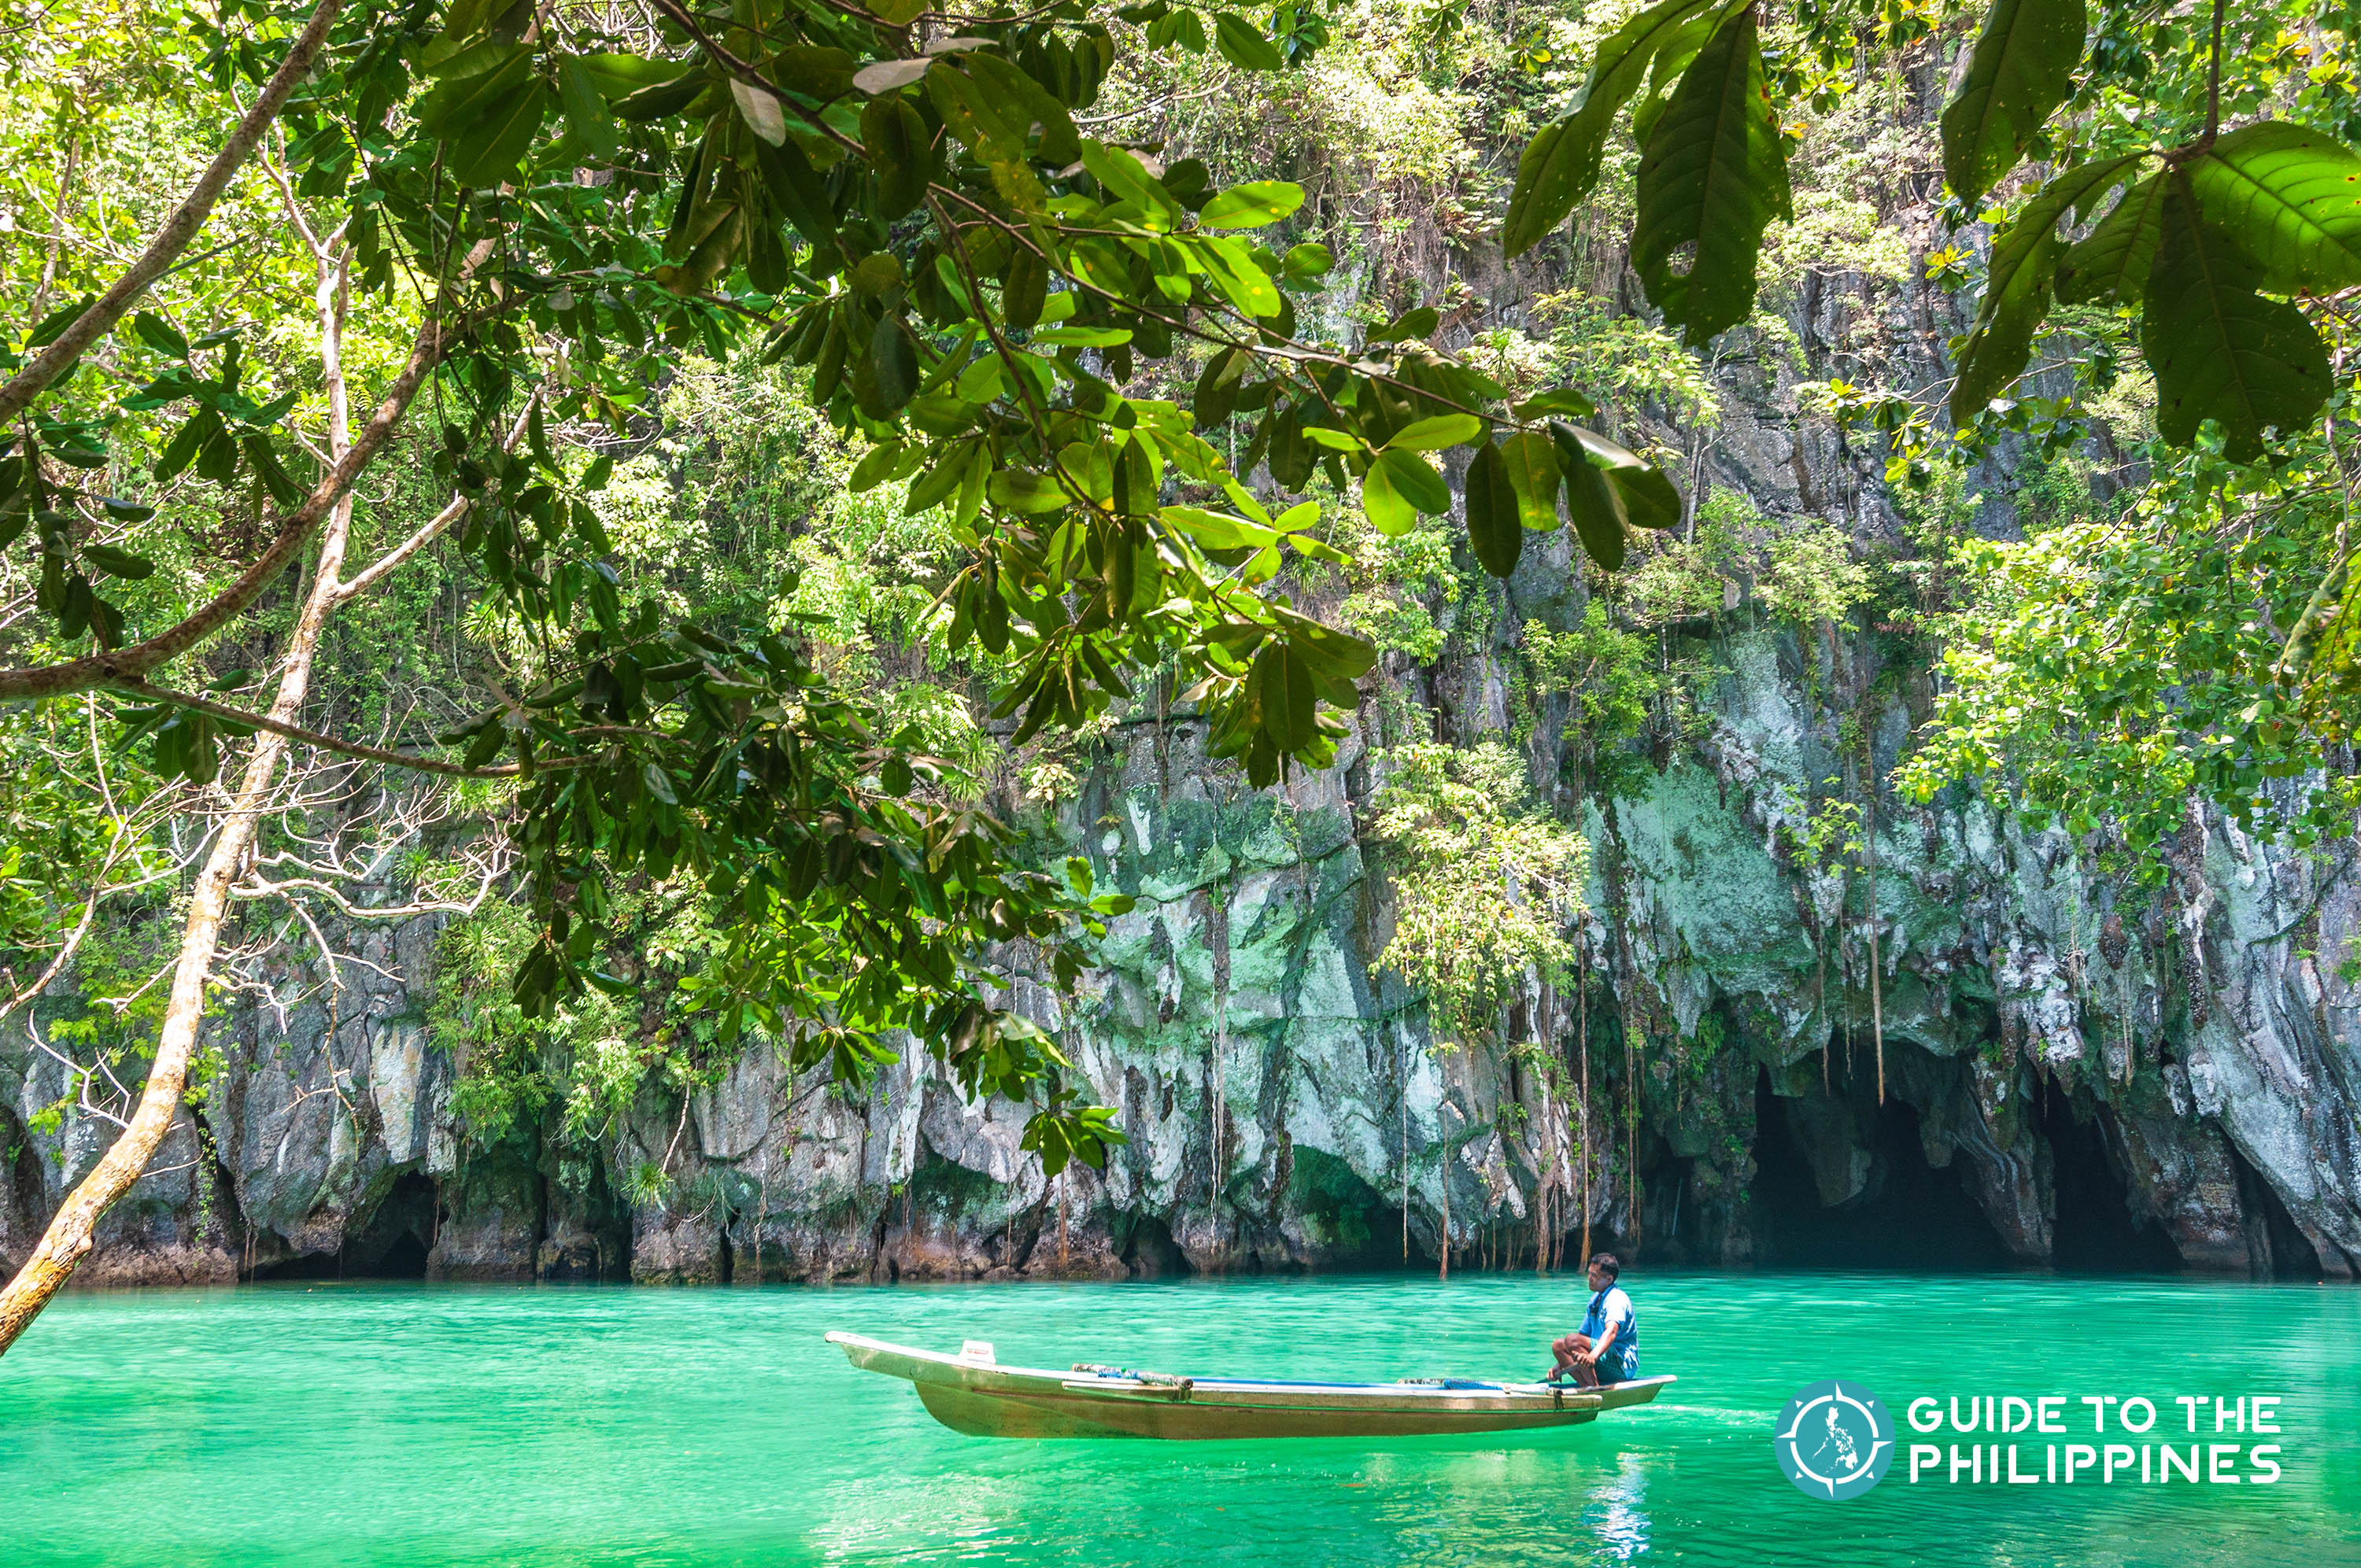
<point>2092,1228</point>
<point>2277,1245</point>
<point>1906,1215</point>
<point>1345,1216</point>
<point>1148,1251</point>
<point>394,1242</point>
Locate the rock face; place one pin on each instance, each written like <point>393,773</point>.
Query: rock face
<point>2068,1074</point>
<point>1987,1051</point>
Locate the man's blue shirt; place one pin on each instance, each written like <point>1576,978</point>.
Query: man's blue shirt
<point>1621,1360</point>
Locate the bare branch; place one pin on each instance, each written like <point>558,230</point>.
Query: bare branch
<point>259,888</point>
<point>434,528</point>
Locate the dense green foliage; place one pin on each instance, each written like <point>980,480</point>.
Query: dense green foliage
<point>1485,886</point>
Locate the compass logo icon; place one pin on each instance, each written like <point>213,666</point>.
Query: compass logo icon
<point>1834,1441</point>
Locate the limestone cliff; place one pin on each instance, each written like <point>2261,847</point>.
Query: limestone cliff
<point>2098,1081</point>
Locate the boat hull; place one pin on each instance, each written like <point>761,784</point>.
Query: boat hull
<point>972,1394</point>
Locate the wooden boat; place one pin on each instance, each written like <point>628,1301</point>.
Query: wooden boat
<point>972,1393</point>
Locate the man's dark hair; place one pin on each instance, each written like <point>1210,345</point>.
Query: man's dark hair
<point>1606,1260</point>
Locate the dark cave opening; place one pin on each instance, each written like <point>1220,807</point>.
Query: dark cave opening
<point>1907,1215</point>
<point>2280,1248</point>
<point>393,1243</point>
<point>2093,1229</point>
<point>1343,1213</point>
<point>1148,1251</point>
<point>404,1260</point>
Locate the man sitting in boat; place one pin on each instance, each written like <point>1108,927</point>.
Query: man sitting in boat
<point>1608,1348</point>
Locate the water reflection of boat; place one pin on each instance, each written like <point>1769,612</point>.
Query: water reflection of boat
<point>972,1393</point>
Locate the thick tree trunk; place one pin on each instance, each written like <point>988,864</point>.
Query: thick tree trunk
<point>68,1240</point>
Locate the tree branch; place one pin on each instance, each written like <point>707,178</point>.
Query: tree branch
<point>178,230</point>
<point>195,704</point>
<point>135,662</point>
<point>434,529</point>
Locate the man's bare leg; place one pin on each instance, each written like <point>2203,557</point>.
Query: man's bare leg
<point>1566,1350</point>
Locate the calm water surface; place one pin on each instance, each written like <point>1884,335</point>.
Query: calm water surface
<point>379,1424</point>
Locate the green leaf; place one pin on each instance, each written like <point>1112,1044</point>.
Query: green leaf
<point>1021,491</point>
<point>893,361</point>
<point>1495,525</point>
<point>486,153</point>
<point>1280,689</point>
<point>1529,459</point>
<point>488,118</point>
<point>982,382</point>
<point>1561,164</point>
<point>1083,336</point>
<point>875,468</point>
<point>1642,496</point>
<point>2220,350</point>
<point>1435,434</point>
<point>1308,262</point>
<point>895,140</point>
<point>461,100</point>
<point>160,334</point>
<point>2016,296</point>
<point>938,484</point>
<point>1596,508</point>
<point>2021,69</point>
<point>2291,199</point>
<point>761,111</point>
<point>1415,480</point>
<point>1024,287</point>
<point>1563,400</point>
<point>620,75</point>
<point>797,190</point>
<point>192,437</point>
<point>1649,497</point>
<point>119,563</point>
<point>2017,287</point>
<point>1244,45</point>
<point>975,116</point>
<point>816,71</point>
<point>1417,322</point>
<point>1389,511</point>
<point>1214,530</point>
<point>1246,286</point>
<point>2113,260</point>
<point>585,111</point>
<point>1712,177</point>
<point>1059,143</point>
<point>1251,205</point>
<point>661,100</point>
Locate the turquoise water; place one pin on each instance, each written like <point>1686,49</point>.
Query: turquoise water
<point>383,1424</point>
